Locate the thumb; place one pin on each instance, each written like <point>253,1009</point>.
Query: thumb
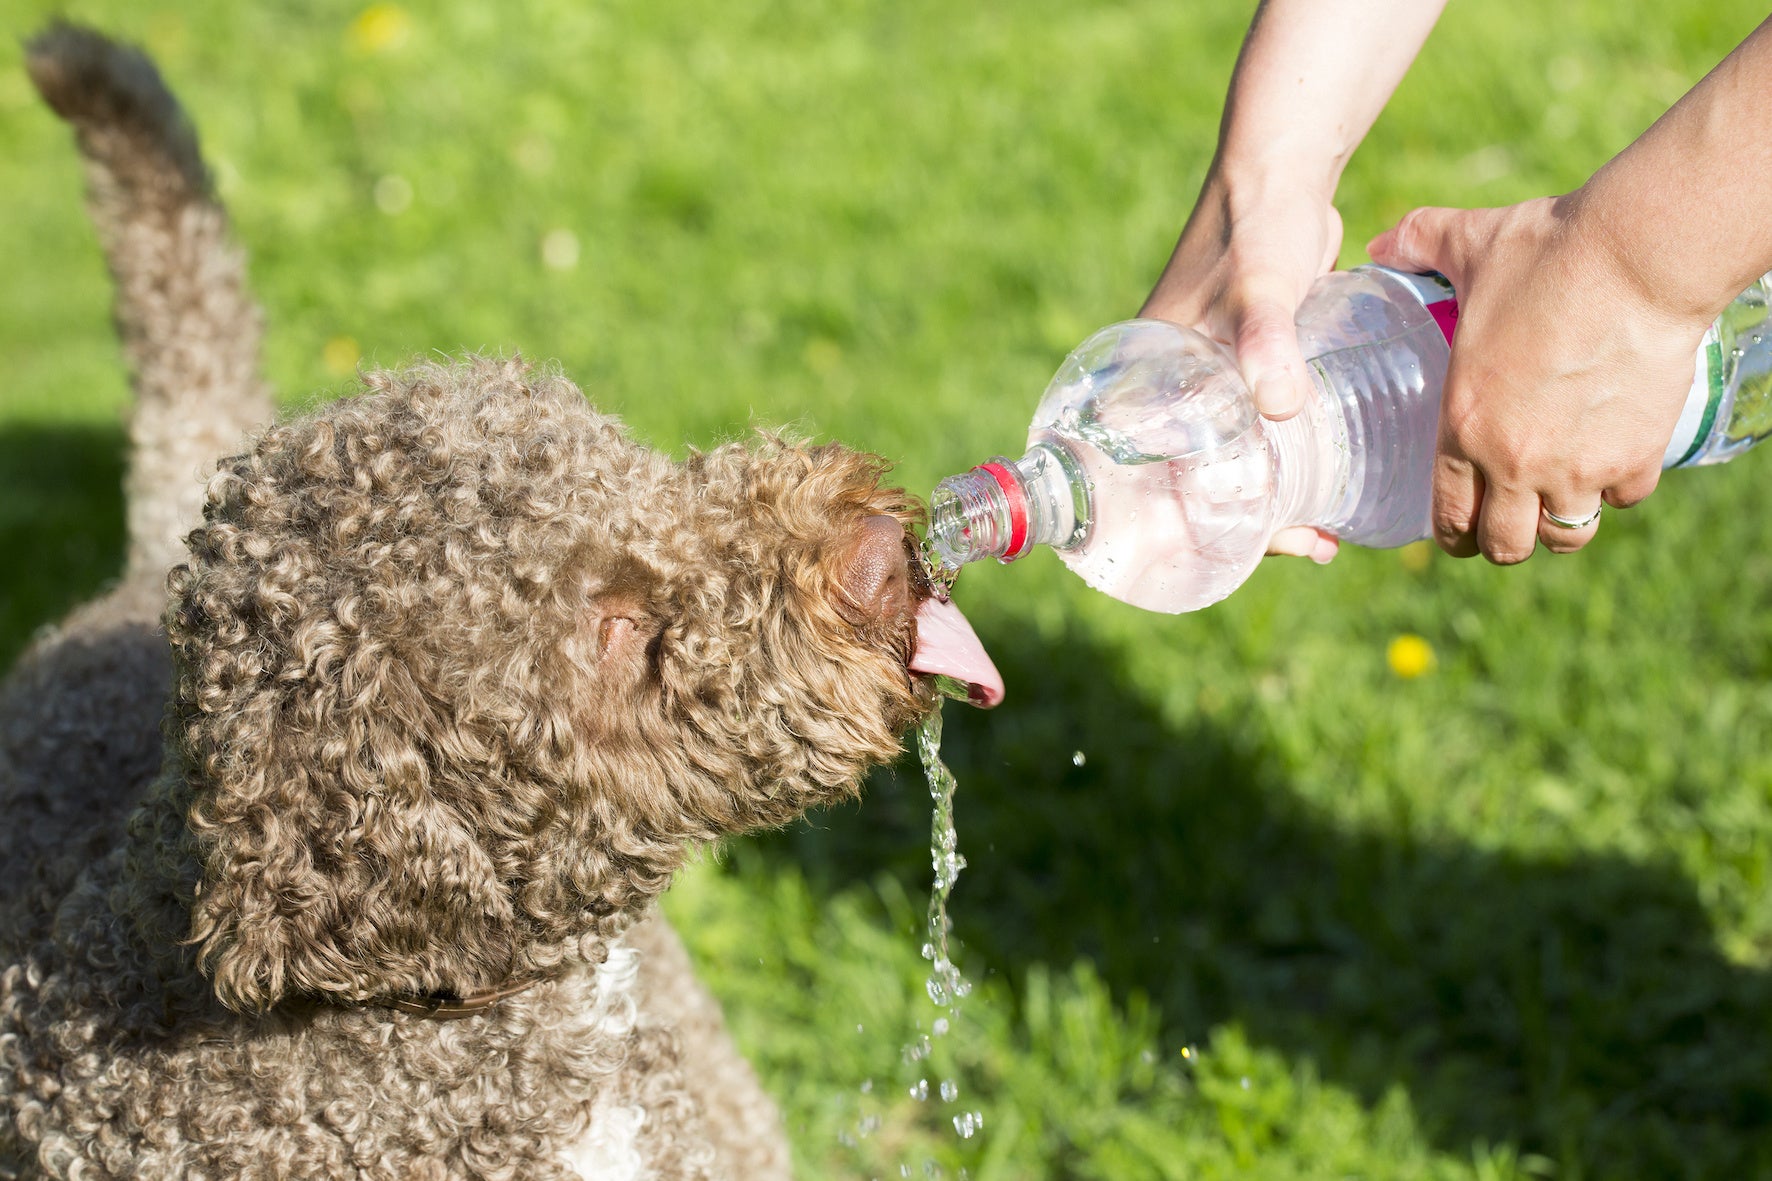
<point>1267,353</point>
<point>1423,241</point>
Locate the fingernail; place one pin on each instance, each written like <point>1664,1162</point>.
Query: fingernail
<point>1380,243</point>
<point>1325,550</point>
<point>1275,397</point>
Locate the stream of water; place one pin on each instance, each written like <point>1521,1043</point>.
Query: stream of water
<point>946,986</point>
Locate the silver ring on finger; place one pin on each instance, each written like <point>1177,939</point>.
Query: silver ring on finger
<point>1572,522</point>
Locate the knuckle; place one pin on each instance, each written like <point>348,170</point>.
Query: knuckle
<point>1267,329</point>
<point>1414,227</point>
<point>1511,454</point>
<point>1634,489</point>
<point>1451,517</point>
<point>1460,543</point>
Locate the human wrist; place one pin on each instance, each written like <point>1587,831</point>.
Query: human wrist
<point>1273,172</point>
<point>1673,283</point>
<point>1248,195</point>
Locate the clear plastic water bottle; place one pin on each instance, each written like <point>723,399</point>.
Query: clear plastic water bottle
<point>1150,472</point>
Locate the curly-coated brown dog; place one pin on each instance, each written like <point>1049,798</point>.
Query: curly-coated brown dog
<point>460,675</point>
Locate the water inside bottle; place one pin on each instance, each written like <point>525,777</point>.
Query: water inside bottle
<point>1177,534</point>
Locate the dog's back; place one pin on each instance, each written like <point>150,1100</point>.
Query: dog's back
<point>80,713</point>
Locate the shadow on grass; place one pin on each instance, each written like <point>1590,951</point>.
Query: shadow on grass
<point>1577,1007</point>
<point>61,523</point>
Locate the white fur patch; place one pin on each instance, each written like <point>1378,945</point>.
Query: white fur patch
<point>609,1150</point>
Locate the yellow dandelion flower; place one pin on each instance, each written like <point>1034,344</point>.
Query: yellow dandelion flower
<point>340,356</point>
<point>1410,656</point>
<point>1416,555</point>
<point>380,28</point>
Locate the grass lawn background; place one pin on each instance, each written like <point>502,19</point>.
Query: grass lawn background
<point>1290,915</point>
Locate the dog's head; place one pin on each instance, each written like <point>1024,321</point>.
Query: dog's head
<point>463,670</point>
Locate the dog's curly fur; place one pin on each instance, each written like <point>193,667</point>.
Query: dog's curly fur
<point>461,675</point>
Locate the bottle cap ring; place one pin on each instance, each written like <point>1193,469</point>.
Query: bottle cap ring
<point>1015,497</point>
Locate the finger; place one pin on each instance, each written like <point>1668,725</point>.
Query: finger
<point>1507,528</point>
<point>1562,538</point>
<point>1427,239</point>
<point>1302,541</point>
<point>1458,498</point>
<point>1267,352</point>
<point>1633,489</point>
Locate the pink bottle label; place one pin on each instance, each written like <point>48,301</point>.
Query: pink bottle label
<point>1445,314</point>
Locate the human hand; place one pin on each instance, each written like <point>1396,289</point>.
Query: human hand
<point>1566,380</point>
<point>1238,274</point>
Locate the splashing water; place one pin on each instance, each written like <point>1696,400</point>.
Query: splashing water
<point>945,984</point>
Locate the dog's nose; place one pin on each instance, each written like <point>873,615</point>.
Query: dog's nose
<point>875,583</point>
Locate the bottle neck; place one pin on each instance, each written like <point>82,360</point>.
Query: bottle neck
<point>1003,508</point>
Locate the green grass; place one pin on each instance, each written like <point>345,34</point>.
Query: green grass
<point>1291,916</point>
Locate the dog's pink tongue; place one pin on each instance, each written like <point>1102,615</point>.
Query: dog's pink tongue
<point>947,645</point>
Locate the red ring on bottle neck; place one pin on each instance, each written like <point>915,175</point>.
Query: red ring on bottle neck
<point>1016,498</point>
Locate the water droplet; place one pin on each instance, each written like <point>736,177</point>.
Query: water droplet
<point>858,1027</point>
<point>920,1089</point>
<point>941,1026</point>
<point>867,1086</point>
<point>950,1090</point>
<point>1078,758</point>
<point>1245,1082</point>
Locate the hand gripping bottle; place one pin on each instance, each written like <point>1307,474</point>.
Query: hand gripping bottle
<point>1150,472</point>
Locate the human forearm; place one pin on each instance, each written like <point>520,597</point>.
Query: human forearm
<point>1310,81</point>
<point>1684,214</point>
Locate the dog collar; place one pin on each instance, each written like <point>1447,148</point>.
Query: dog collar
<point>448,1006</point>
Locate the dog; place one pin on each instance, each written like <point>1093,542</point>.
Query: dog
<point>334,852</point>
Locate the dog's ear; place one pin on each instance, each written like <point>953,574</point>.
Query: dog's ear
<point>875,583</point>
<point>337,813</point>
<point>347,882</point>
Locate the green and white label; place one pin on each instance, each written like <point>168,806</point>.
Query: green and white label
<point>1699,417</point>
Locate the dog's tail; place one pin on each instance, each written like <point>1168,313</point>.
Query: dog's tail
<point>189,326</point>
